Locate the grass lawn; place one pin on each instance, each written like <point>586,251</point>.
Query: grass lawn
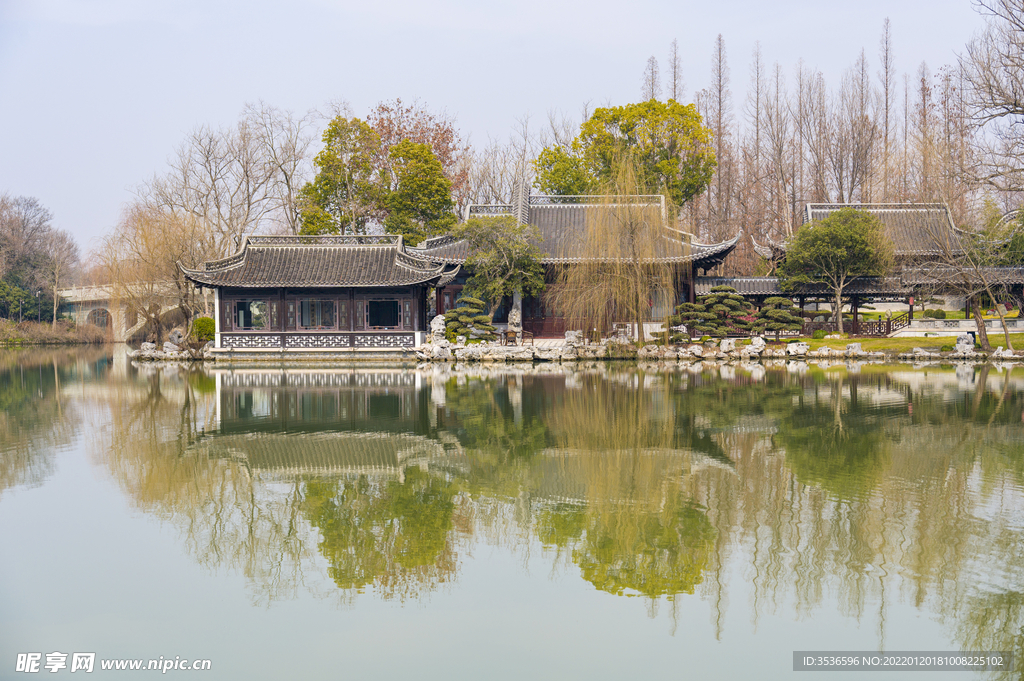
<point>908,344</point>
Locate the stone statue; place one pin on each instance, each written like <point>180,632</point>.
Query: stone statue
<point>515,320</point>
<point>437,329</point>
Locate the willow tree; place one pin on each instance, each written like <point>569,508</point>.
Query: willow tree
<point>624,260</point>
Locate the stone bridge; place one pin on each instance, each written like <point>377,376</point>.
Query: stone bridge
<point>101,306</point>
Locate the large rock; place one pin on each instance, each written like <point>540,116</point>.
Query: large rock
<point>148,347</point>
<point>171,347</point>
<point>176,336</point>
<point>728,345</point>
<point>649,352</point>
<point>696,351</point>
<point>797,349</point>
<point>854,350</point>
<point>574,338</point>
<point>437,329</point>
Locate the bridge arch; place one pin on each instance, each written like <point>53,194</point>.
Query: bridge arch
<point>99,317</point>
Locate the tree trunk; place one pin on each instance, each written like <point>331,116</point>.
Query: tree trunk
<point>839,310</point>
<point>980,323</point>
<point>1000,310</point>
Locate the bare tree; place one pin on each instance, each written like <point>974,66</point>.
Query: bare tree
<point>501,165</point>
<point>141,255</point>
<point>62,257</point>
<point>993,65</point>
<point>676,85</point>
<point>650,88</point>
<point>622,263</point>
<point>284,140</point>
<point>236,181</point>
<point>887,78</point>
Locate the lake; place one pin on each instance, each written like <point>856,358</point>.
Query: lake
<point>601,521</point>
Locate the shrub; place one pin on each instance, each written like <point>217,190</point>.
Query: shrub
<point>818,335</point>
<point>946,348</point>
<point>203,328</point>
<point>468,319</point>
<point>716,314</point>
<point>940,314</point>
<point>778,314</point>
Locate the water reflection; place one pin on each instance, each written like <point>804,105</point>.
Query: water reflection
<point>865,485</point>
<point>36,420</point>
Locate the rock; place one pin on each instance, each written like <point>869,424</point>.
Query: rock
<point>460,341</point>
<point>965,339</point>
<point>574,338</point>
<point>833,336</point>
<point>1003,354</point>
<point>854,350</point>
<point>797,349</point>
<point>148,347</point>
<point>519,354</point>
<point>437,328</point>
<point>547,354</point>
<point>757,344</point>
<point>728,345</point>
<point>649,352</point>
<point>696,351</point>
<point>176,336</point>
<point>442,352</point>
<point>823,351</point>
<point>171,347</point>
<point>515,320</point>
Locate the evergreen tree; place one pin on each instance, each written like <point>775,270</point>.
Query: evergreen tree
<point>718,314</point>
<point>778,314</point>
<point>468,319</point>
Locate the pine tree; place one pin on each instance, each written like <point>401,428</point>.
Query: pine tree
<point>468,319</point>
<point>718,314</point>
<point>778,314</point>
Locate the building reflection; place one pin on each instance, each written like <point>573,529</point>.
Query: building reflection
<point>866,488</point>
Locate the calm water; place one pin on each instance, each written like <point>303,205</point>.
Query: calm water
<point>597,522</point>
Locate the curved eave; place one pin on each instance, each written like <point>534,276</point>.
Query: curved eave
<point>439,276</point>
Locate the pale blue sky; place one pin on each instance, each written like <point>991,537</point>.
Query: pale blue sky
<point>97,93</point>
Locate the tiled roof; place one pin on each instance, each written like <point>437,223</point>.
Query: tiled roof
<point>916,229</point>
<point>769,286</point>
<point>321,261</point>
<point>562,222</point>
<point>325,453</point>
<point>953,276</point>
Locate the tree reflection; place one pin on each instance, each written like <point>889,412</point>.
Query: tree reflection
<point>395,536</point>
<point>35,419</point>
<point>865,489</point>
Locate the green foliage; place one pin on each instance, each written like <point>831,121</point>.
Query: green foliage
<point>835,251</point>
<point>504,259</point>
<point>203,328</point>
<point>668,140</point>
<point>935,314</point>
<point>717,314</point>
<point>421,203</point>
<point>410,196</point>
<point>346,190</point>
<point>394,536</point>
<point>778,314</point>
<point>469,320</point>
<point>818,335</point>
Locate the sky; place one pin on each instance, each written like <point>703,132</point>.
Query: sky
<point>96,94</point>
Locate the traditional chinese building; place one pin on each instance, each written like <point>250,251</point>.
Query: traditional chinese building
<point>562,222</point>
<point>305,294</point>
